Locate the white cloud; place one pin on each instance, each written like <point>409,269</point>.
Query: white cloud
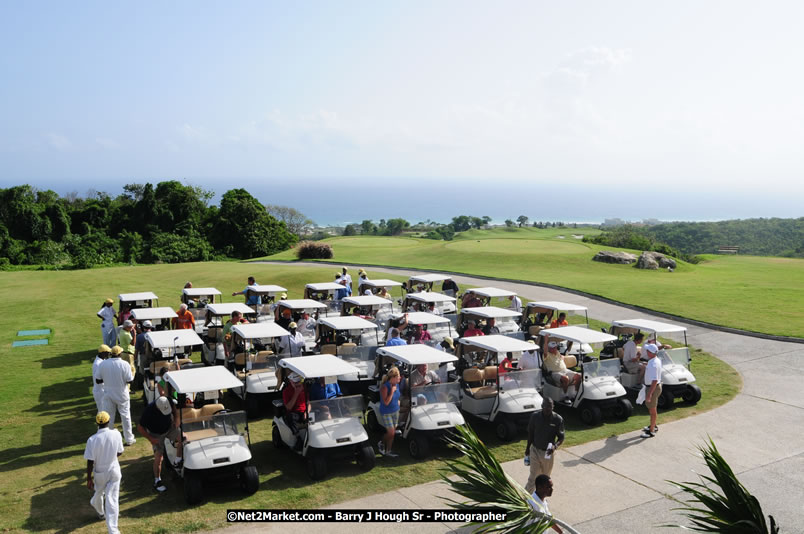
<point>58,142</point>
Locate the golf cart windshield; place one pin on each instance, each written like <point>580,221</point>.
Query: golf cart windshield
<point>336,408</point>
<point>597,368</point>
<point>449,392</point>
<point>220,424</point>
<point>679,356</point>
<point>437,334</point>
<point>526,379</point>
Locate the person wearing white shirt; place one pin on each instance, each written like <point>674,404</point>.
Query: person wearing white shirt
<point>348,278</point>
<point>292,345</point>
<point>544,489</point>
<point>631,357</point>
<point>107,315</point>
<point>103,471</point>
<point>516,303</point>
<point>529,359</point>
<point>653,384</point>
<point>115,375</point>
<point>97,389</point>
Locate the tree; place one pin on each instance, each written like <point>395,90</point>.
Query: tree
<point>396,226</point>
<point>244,228</point>
<point>367,227</point>
<point>297,222</point>
<point>522,220</point>
<point>350,229</point>
<point>509,223</point>
<point>486,220</point>
<point>461,223</point>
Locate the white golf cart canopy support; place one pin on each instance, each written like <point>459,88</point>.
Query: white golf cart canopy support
<point>318,366</point>
<point>325,286</point>
<point>417,354</point>
<point>428,297</point>
<point>132,297</point>
<point>173,338</point>
<point>266,289</point>
<point>368,300</point>
<point>650,326</point>
<point>490,292</point>
<point>259,330</point>
<point>558,306</point>
<point>202,379</point>
<point>201,292</point>
<point>302,304</point>
<point>349,322</point>
<point>430,278</point>
<point>381,283</point>
<point>228,308</point>
<point>578,334</point>
<point>425,318</point>
<point>498,343</point>
<point>490,312</point>
<point>149,314</point>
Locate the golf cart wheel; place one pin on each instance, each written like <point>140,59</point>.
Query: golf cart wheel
<point>665,400</point>
<point>372,423</point>
<point>276,438</point>
<point>252,406</point>
<point>623,409</point>
<point>316,467</point>
<point>506,429</point>
<point>591,414</point>
<point>418,446</point>
<point>692,394</point>
<point>249,479</point>
<point>193,487</point>
<point>366,458</point>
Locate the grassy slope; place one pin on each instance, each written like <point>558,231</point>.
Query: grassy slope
<point>762,294</point>
<point>47,408</point>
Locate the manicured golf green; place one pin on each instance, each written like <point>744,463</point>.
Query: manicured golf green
<point>753,293</point>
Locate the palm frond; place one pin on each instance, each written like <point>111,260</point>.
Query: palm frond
<point>478,477</point>
<point>720,503</point>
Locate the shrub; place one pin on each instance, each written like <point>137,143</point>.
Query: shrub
<point>313,250</point>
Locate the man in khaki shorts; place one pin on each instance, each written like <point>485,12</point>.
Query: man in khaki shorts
<point>545,435</point>
<point>160,421</point>
<point>653,384</point>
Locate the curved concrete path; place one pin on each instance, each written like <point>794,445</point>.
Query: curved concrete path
<point>618,485</point>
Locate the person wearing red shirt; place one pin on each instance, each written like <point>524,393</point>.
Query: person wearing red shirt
<point>506,365</point>
<point>472,330</point>
<point>295,399</point>
<point>561,321</point>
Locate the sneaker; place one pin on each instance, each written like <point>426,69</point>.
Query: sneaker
<point>647,429</point>
<point>178,463</point>
<point>101,517</point>
<point>130,443</point>
<point>381,447</point>
<point>159,486</point>
<point>398,432</point>
<point>391,454</point>
<point>647,434</point>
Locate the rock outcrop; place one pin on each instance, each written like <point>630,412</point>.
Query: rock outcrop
<point>606,256</point>
<point>655,260</point>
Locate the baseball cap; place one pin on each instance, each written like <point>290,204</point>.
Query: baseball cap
<point>127,323</point>
<point>117,349</point>
<point>292,325</point>
<point>163,405</point>
<point>295,377</point>
<point>552,345</point>
<point>147,324</point>
<point>448,340</point>
<point>102,418</point>
<point>367,292</point>
<point>104,348</point>
<point>531,342</point>
<point>283,296</point>
<point>109,301</point>
<point>650,347</point>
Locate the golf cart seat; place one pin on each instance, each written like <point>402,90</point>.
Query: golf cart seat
<point>329,349</point>
<point>534,330</point>
<point>347,348</point>
<point>263,356</point>
<point>570,361</point>
<point>214,332</point>
<point>474,375</point>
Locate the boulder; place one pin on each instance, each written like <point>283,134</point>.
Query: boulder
<point>607,256</point>
<point>655,260</point>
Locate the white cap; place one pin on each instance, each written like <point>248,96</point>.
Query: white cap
<point>295,377</point>
<point>650,347</point>
<point>147,324</point>
<point>552,345</point>
<point>127,323</point>
<point>163,405</point>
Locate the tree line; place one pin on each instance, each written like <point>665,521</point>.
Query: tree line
<point>164,223</point>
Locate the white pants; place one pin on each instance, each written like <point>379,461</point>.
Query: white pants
<point>97,393</point>
<point>109,335</point>
<point>111,406</point>
<point>104,500</point>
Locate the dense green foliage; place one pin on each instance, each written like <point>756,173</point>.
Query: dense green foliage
<point>168,223</point>
<point>313,250</point>
<point>637,238</point>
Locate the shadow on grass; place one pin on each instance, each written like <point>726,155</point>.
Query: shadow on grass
<point>70,359</point>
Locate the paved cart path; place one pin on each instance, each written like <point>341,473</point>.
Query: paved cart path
<point>618,485</point>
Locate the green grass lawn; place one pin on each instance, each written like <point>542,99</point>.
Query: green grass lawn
<point>761,294</point>
<point>47,409</point>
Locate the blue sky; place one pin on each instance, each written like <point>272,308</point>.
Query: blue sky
<point>655,100</point>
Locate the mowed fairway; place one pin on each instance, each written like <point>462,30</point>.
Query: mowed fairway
<point>759,294</point>
<point>47,410</point>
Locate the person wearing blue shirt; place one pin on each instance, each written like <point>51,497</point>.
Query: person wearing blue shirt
<point>320,390</point>
<point>394,338</point>
<point>253,299</point>
<point>389,410</point>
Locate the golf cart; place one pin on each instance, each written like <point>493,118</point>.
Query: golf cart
<point>164,348</point>
<point>423,283</point>
<point>504,318</point>
<point>332,427</point>
<point>433,408</point>
<point>376,285</point>
<point>538,315</point>
<point>354,340</point>
<point>255,362</point>
<point>132,301</point>
<point>677,379</point>
<point>299,306</point>
<point>324,292</point>
<point>217,445</point>
<point>266,295</point>
<point>372,307</point>
<point>197,298</point>
<point>488,294</point>
<point>159,317</point>
<point>420,302</point>
<point>504,399</point>
<point>437,326</point>
<point>600,389</point>
<point>213,352</point>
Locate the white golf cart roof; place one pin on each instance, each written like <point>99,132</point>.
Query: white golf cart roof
<point>424,318</point>
<point>173,338</point>
<point>131,297</point>
<point>302,304</point>
<point>200,291</point>
<point>318,366</point>
<point>349,322</point>
<point>368,300</point>
<point>266,289</point>
<point>430,296</point>
<point>228,308</point>
<point>649,326</point>
<point>556,305</point>
<point>146,314</point>
<point>382,282</point>
<point>259,330</point>
<point>490,312</point>
<point>492,292</point>
<point>202,379</point>
<point>417,354</point>
<point>498,343</point>
<point>431,277</point>
<point>325,286</point>
<point>578,334</point>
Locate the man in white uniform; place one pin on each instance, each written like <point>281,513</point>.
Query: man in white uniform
<point>544,489</point>
<point>103,471</point>
<point>97,389</point>
<point>516,303</point>
<point>653,384</point>
<point>107,315</point>
<point>292,345</point>
<point>115,375</point>
<point>529,359</point>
